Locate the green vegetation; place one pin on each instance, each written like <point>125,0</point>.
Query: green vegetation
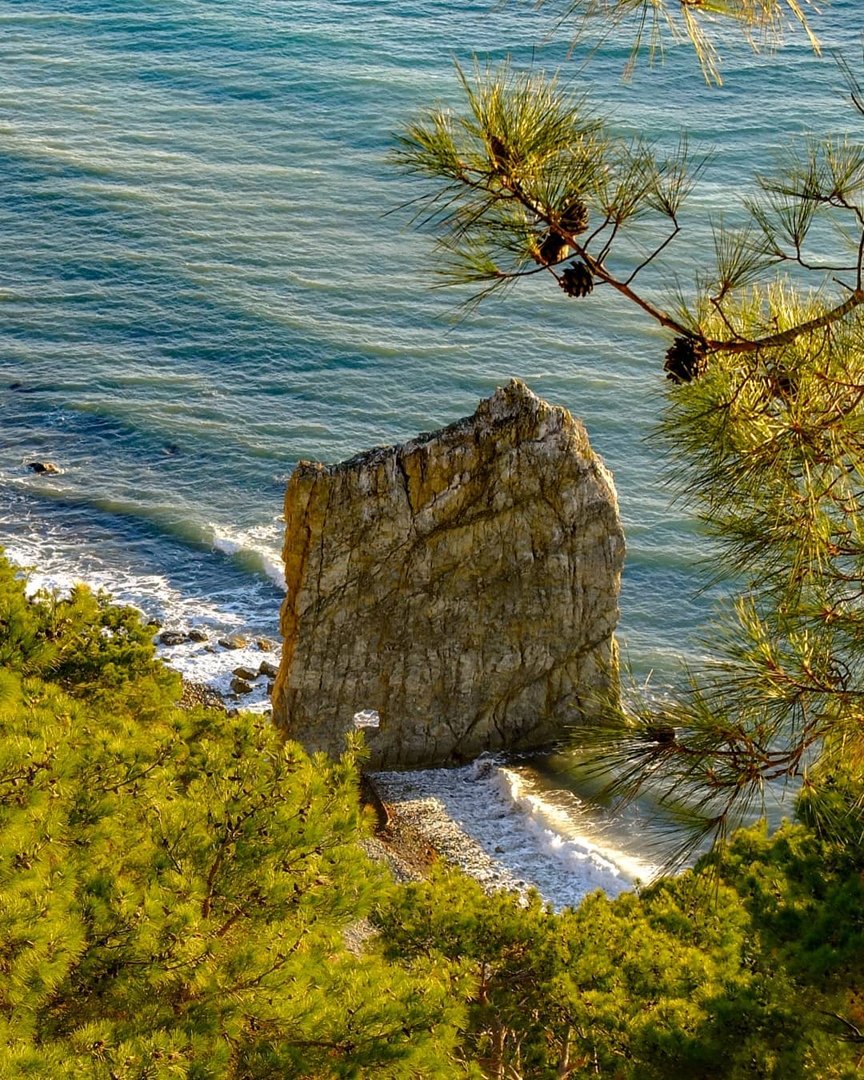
<point>750,967</point>
<point>526,177</point>
<point>175,887</point>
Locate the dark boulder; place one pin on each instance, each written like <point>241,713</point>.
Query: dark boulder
<point>233,641</point>
<point>246,674</point>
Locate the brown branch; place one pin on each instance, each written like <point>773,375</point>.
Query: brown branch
<point>132,777</point>
<point>215,867</point>
<point>597,267</point>
<point>786,337</point>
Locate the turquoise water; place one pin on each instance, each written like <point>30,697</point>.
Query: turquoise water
<point>203,280</point>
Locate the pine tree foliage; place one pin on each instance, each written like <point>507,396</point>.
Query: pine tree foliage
<point>653,22</point>
<point>769,447</point>
<point>526,176</point>
<point>174,886</point>
<point>754,972</point>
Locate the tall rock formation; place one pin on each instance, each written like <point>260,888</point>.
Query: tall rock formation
<point>463,586</point>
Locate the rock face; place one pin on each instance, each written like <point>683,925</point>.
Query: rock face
<point>464,586</point>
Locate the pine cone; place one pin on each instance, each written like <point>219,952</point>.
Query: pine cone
<point>782,382</point>
<point>574,218</point>
<point>577,280</point>
<point>499,153</point>
<point>663,734</point>
<point>553,249</point>
<point>686,360</point>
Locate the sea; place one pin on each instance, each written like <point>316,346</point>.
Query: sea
<point>209,271</point>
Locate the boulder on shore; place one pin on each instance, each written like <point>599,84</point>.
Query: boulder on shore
<point>248,675</point>
<point>464,586</point>
<point>233,641</point>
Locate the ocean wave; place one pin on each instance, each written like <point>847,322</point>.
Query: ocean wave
<point>571,837</point>
<point>205,661</point>
<point>256,548</point>
<point>528,841</point>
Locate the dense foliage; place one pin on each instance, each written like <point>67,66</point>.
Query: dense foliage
<point>754,970</point>
<point>175,887</point>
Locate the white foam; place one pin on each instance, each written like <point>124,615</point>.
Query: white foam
<point>572,833</point>
<point>530,841</point>
<point>261,543</point>
<point>211,664</point>
<point>204,662</point>
<point>150,593</point>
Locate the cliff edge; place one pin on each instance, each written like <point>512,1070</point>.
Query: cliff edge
<point>462,586</point>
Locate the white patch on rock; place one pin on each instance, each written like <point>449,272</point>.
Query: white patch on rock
<point>367,718</point>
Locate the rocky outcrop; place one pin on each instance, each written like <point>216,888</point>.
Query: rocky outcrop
<point>464,586</point>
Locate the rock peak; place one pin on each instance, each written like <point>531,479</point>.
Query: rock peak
<point>514,397</point>
<point>462,587</point>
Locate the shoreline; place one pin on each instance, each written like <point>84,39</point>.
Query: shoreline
<point>411,835</point>
<point>484,820</point>
<point>199,693</point>
<point>420,833</point>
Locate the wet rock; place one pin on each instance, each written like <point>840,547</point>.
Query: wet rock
<point>240,686</point>
<point>267,668</point>
<point>173,637</point>
<point>44,468</point>
<point>246,674</point>
<point>197,634</point>
<point>265,644</point>
<point>233,641</point>
<point>464,586</point>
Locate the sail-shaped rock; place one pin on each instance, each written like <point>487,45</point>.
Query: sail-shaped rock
<point>462,586</point>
